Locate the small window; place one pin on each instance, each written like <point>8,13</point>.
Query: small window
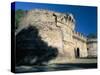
<point>69,18</point>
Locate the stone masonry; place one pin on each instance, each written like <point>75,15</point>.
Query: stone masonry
<point>58,30</point>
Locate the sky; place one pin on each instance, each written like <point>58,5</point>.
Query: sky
<point>85,16</point>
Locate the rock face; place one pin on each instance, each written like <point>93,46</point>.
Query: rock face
<point>58,31</point>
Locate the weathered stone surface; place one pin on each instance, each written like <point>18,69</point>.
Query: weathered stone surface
<point>57,29</point>
<point>52,28</point>
<point>92,47</point>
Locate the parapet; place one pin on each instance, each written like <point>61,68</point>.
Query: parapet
<point>92,40</point>
<point>61,17</point>
<point>80,36</point>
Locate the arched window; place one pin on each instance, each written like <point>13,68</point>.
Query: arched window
<point>69,18</point>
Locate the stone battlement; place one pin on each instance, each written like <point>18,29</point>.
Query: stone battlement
<point>60,17</point>
<point>80,36</point>
<point>92,40</point>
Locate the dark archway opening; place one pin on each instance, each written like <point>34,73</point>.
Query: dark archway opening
<point>77,53</point>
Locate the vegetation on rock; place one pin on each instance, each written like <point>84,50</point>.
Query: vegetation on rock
<point>18,15</point>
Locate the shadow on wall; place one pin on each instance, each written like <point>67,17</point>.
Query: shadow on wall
<point>31,50</point>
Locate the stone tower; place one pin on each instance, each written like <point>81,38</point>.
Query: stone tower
<point>54,28</point>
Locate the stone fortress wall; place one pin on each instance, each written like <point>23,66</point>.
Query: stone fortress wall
<point>92,47</point>
<point>58,30</point>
